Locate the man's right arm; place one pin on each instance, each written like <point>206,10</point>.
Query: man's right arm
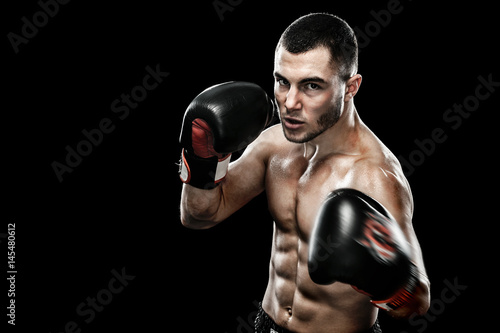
<point>202,209</point>
<point>221,120</point>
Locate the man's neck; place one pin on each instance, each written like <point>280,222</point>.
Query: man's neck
<point>341,138</point>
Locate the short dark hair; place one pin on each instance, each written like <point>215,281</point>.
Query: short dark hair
<point>323,29</point>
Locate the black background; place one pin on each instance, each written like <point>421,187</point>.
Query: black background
<point>119,207</point>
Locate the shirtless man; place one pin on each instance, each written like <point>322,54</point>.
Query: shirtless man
<point>320,146</point>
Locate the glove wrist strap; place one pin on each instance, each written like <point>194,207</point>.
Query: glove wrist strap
<point>202,173</point>
<point>402,296</point>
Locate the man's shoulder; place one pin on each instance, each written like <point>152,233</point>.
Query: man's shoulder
<point>273,133</point>
<point>379,169</point>
<point>378,173</point>
<point>273,139</point>
<point>267,144</point>
<point>376,157</point>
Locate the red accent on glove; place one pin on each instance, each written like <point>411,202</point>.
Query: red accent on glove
<point>203,140</point>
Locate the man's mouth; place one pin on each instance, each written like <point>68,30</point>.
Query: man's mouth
<point>292,123</point>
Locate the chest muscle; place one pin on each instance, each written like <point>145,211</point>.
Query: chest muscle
<point>296,189</point>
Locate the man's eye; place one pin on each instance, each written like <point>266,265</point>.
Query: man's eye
<point>282,82</point>
<point>313,86</point>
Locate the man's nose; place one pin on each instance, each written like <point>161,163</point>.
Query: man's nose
<point>293,100</point>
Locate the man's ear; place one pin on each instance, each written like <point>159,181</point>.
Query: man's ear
<point>352,87</point>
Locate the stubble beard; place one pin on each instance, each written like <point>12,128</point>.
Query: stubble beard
<point>325,121</point>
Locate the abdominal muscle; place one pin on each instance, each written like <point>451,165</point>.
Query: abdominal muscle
<point>296,303</point>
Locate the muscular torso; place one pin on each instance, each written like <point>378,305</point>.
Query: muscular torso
<point>296,187</point>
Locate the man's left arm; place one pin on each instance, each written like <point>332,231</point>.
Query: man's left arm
<point>392,190</point>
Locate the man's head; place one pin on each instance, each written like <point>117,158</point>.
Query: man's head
<point>326,30</point>
<point>316,61</point>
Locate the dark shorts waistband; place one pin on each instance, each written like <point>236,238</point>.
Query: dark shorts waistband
<point>265,324</point>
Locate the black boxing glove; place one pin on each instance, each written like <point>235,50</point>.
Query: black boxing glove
<point>356,241</point>
<point>221,120</point>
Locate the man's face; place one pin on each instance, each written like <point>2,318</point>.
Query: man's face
<point>308,93</point>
